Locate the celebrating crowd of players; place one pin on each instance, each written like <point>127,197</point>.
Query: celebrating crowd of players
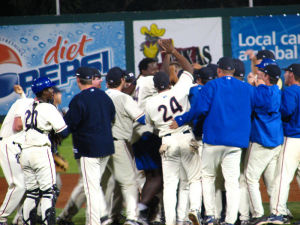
<point>161,145</point>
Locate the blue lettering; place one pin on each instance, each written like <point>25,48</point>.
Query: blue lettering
<point>27,78</point>
<point>46,72</point>
<point>67,69</point>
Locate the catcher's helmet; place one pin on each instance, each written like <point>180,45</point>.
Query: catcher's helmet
<point>40,84</point>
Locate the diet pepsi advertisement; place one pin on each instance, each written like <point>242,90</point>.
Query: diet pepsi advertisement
<point>56,51</point>
<point>278,33</point>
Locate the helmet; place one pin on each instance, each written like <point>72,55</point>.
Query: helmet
<point>40,84</point>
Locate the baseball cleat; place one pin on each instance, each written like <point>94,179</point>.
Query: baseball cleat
<point>275,219</point>
<point>105,220</point>
<point>209,220</point>
<point>131,222</point>
<point>245,222</point>
<point>61,221</point>
<point>195,217</point>
<point>259,220</point>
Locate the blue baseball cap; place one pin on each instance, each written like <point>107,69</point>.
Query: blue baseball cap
<point>265,62</point>
<point>41,84</point>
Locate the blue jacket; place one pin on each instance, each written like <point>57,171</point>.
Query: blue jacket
<point>89,119</point>
<point>198,122</point>
<point>227,104</point>
<point>290,111</point>
<point>266,125</point>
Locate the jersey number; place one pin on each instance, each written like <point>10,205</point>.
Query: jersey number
<point>28,119</point>
<point>175,107</point>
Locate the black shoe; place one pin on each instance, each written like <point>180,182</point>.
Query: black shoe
<point>60,221</point>
<point>259,220</point>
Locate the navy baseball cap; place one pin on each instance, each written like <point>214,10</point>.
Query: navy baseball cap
<point>114,75</point>
<point>205,73</point>
<point>263,54</point>
<point>294,68</point>
<point>214,68</point>
<point>226,63</point>
<point>161,80</point>
<point>239,68</point>
<point>272,70</point>
<point>265,62</point>
<point>85,73</point>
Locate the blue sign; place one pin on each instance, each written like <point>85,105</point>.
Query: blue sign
<point>56,51</point>
<point>280,34</point>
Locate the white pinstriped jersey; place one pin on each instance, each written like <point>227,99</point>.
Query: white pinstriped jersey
<point>127,111</point>
<point>45,117</point>
<point>161,108</point>
<point>143,90</point>
<point>16,110</point>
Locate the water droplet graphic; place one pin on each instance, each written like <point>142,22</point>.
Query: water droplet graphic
<point>36,38</point>
<point>16,28</point>
<point>96,27</point>
<point>70,35</point>
<point>23,40</point>
<point>35,49</point>
<point>50,40</point>
<point>79,32</point>
<point>33,56</point>
<point>93,34</point>
<point>42,44</point>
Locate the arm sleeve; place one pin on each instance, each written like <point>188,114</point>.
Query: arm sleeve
<point>73,116</point>
<point>184,83</point>
<point>132,109</point>
<point>201,106</point>
<point>263,98</point>
<point>56,119</point>
<point>288,103</point>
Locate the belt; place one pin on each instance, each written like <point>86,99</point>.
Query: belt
<point>1,138</point>
<point>184,132</point>
<point>115,139</point>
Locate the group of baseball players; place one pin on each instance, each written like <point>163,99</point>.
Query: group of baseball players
<point>161,145</point>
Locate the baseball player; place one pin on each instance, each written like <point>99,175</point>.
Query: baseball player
<point>36,157</point>
<point>266,137</point>
<point>10,130</point>
<point>227,104</point>
<point>123,167</point>
<point>289,159</point>
<point>89,119</point>
<point>175,148</point>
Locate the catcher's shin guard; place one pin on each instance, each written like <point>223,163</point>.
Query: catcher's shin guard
<point>48,198</point>
<point>30,204</point>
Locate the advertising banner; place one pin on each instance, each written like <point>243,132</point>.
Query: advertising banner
<point>280,34</point>
<point>198,39</point>
<point>56,51</point>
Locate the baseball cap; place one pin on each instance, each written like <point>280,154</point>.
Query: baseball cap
<point>114,75</point>
<point>272,70</point>
<point>295,68</point>
<point>161,80</point>
<point>40,84</point>
<point>84,73</point>
<point>214,68</point>
<point>226,63</point>
<point>262,54</point>
<point>96,72</point>
<point>239,68</point>
<point>265,62</point>
<point>129,77</point>
<point>205,73</point>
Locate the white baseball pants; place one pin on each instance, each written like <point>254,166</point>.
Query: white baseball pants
<point>228,158</point>
<point>260,159</point>
<point>92,170</point>
<point>288,163</point>
<point>179,155</point>
<point>14,177</point>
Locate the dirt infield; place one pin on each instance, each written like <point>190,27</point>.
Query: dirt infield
<point>70,180</point>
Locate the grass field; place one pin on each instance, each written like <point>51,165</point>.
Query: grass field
<point>79,219</point>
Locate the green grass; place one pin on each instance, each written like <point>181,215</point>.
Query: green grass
<point>66,150</point>
<point>79,219</point>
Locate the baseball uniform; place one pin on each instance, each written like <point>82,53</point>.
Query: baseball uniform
<point>289,159</point>
<point>227,104</point>
<point>89,119</point>
<point>159,111</point>
<point>9,153</point>
<point>37,161</point>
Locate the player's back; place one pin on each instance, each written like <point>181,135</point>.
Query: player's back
<point>16,110</point>
<point>228,112</point>
<point>165,106</point>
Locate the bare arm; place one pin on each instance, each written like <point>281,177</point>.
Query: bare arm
<point>17,125</point>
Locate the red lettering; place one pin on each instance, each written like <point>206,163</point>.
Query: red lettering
<point>58,51</point>
<point>53,52</point>
<point>70,53</point>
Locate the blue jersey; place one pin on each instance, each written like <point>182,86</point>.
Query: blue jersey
<point>266,125</point>
<point>290,111</point>
<point>198,122</point>
<point>227,104</point>
<point>89,119</point>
